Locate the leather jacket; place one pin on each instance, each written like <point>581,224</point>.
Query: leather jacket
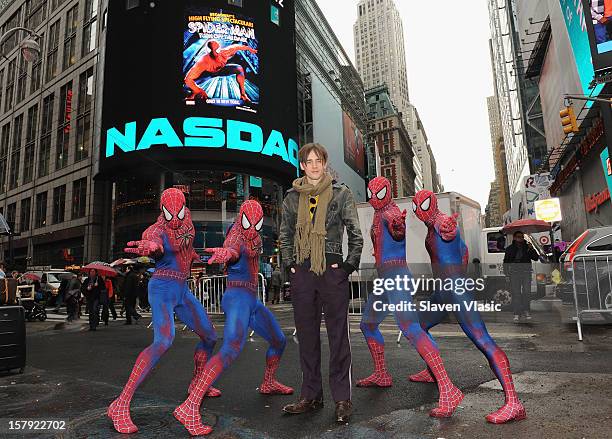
<point>341,213</point>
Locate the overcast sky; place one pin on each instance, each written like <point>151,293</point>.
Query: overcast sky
<point>449,78</point>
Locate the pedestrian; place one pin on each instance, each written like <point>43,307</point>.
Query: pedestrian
<point>314,215</point>
<point>108,301</point>
<point>92,289</point>
<point>143,292</point>
<point>517,266</point>
<point>61,292</point>
<point>275,284</point>
<point>130,292</point>
<point>2,271</point>
<point>73,295</point>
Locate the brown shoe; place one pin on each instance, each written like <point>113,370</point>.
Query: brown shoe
<point>303,406</point>
<point>344,410</point>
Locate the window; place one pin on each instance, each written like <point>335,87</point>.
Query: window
<point>79,198</point>
<point>22,75</point>
<point>24,218</point>
<point>83,126</point>
<point>53,51</point>
<point>40,218</point>
<point>11,215</point>
<point>36,71</point>
<point>70,37</point>
<point>16,152</point>
<point>11,42</point>
<point>63,130</point>
<point>90,29</point>
<point>35,13</point>
<point>10,85</point>
<point>56,4</point>
<point>59,204</point>
<point>5,135</point>
<point>44,152</point>
<point>602,244</point>
<point>28,153</point>
<point>496,242</point>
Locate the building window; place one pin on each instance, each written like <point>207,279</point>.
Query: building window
<point>28,153</point>
<point>22,76</point>
<point>35,77</point>
<point>44,151</point>
<point>70,37</point>
<point>5,136</point>
<point>53,51</point>
<point>24,218</point>
<point>10,85</point>
<point>79,198</point>
<point>12,22</point>
<point>40,218</point>
<point>56,4</point>
<point>35,13</point>
<point>16,153</point>
<point>11,215</point>
<point>83,126</point>
<point>59,204</point>
<point>63,130</point>
<point>90,27</point>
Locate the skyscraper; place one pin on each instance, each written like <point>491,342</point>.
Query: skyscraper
<point>379,49</point>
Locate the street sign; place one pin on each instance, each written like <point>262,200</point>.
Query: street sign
<point>548,210</point>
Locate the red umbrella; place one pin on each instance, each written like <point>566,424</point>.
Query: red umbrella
<point>527,225</point>
<point>102,268</point>
<point>31,276</point>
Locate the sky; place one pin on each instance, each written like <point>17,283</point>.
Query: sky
<point>449,79</point>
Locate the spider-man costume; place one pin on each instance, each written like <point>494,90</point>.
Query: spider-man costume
<point>242,310</point>
<point>449,258</point>
<point>170,240</point>
<point>389,238</point>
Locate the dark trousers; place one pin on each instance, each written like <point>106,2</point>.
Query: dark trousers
<point>130,308</point>
<point>108,308</point>
<point>520,287</point>
<point>311,295</point>
<point>275,290</point>
<point>93,307</point>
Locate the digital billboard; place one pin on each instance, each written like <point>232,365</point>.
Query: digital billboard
<point>213,85</point>
<point>354,150</point>
<point>598,21</point>
<point>220,59</point>
<point>576,21</point>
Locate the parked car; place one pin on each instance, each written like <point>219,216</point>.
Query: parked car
<point>587,262</point>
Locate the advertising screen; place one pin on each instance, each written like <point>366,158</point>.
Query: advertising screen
<point>220,59</point>
<point>212,86</point>
<point>576,21</point>
<point>354,151</point>
<point>597,21</point>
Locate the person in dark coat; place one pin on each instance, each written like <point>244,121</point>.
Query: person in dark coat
<point>275,284</point>
<point>92,289</point>
<point>73,294</point>
<point>130,289</point>
<point>517,266</point>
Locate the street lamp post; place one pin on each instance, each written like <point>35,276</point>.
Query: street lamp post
<point>30,50</point>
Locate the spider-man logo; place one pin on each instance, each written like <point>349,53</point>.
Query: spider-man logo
<point>379,192</point>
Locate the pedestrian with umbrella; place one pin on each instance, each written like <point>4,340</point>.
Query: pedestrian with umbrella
<point>94,289</point>
<point>518,266</point>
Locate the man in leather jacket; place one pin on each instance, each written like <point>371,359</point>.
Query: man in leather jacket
<point>316,212</point>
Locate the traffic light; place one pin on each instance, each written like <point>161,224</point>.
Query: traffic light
<point>568,120</point>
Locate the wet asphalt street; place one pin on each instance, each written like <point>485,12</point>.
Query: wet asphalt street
<point>73,374</point>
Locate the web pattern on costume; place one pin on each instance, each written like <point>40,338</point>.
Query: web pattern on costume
<point>449,257</point>
<point>170,241</point>
<point>241,251</point>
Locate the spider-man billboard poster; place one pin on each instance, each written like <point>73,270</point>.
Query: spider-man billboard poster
<point>220,59</point>
<point>354,152</point>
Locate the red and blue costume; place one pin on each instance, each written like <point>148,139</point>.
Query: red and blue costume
<point>242,309</point>
<point>389,238</point>
<point>170,241</point>
<point>449,258</point>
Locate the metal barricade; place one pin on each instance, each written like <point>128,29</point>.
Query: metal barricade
<point>592,284</point>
